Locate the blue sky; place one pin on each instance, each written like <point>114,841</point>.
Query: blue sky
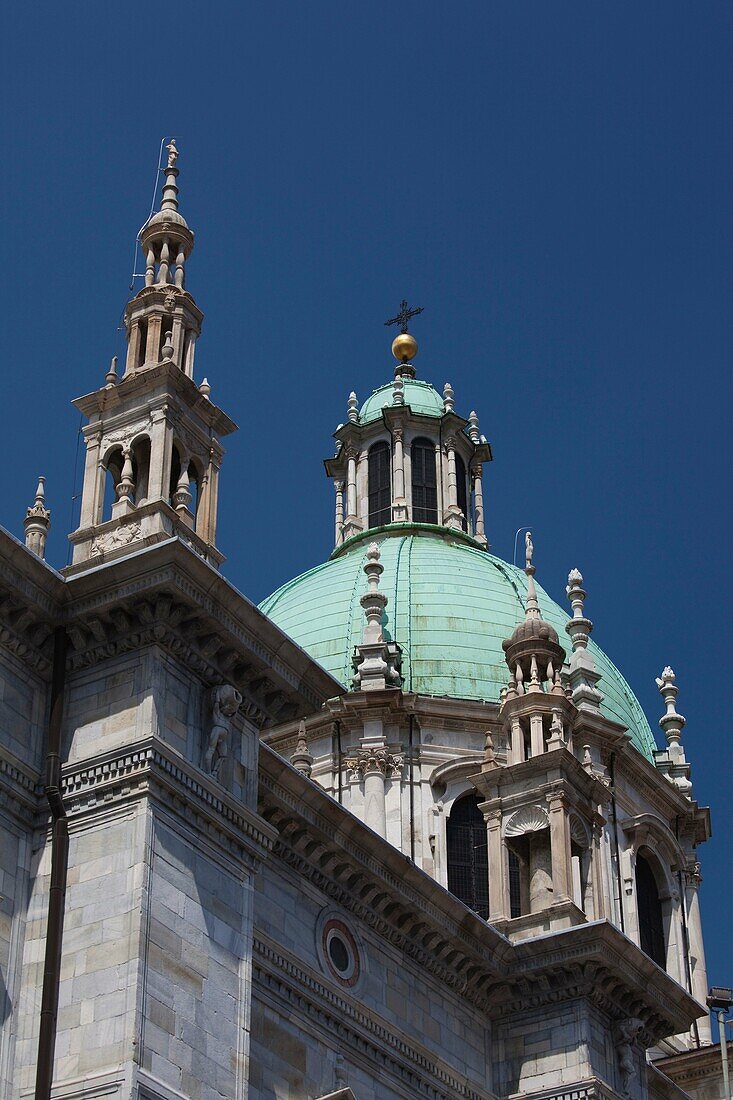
<point>551,182</point>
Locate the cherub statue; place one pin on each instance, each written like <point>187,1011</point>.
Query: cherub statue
<point>225,702</point>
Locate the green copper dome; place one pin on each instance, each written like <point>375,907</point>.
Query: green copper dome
<point>450,607</point>
<point>422,398</point>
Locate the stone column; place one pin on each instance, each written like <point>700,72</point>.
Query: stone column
<point>90,495</point>
<point>374,764</point>
<point>339,487</point>
<point>160,447</point>
<point>537,734</point>
<point>133,348</point>
<point>560,846</point>
<point>452,514</point>
<point>600,910</point>
<point>478,504</point>
<point>498,865</point>
<point>517,742</point>
<point>692,880</point>
<point>152,343</point>
<point>399,503</point>
<point>353,523</point>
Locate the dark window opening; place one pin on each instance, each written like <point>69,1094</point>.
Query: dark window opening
<point>339,953</point>
<point>468,859</point>
<point>649,905</point>
<point>424,483</point>
<point>380,487</point>
<point>515,885</point>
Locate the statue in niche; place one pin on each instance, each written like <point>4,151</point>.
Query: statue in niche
<point>225,702</point>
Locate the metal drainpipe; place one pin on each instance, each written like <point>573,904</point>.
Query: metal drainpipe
<point>612,777</point>
<point>339,762</point>
<point>410,727</point>
<point>59,864</point>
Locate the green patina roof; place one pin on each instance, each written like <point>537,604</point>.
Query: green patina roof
<point>450,607</point>
<point>420,396</point>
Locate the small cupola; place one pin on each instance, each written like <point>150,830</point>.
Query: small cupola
<point>406,457</point>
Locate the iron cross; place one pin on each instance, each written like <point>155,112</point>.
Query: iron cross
<point>404,315</point>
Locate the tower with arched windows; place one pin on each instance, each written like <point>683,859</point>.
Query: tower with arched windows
<point>153,437</point>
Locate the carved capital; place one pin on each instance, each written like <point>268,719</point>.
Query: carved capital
<point>371,760</point>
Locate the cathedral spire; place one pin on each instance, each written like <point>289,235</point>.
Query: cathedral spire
<point>37,522</point>
<point>153,433</point>
<point>531,607</point>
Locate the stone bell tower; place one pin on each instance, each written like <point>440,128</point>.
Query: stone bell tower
<point>153,450</point>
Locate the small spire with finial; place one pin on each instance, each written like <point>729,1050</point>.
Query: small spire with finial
<point>673,763</point>
<point>449,398</point>
<point>302,759</point>
<point>473,429</point>
<point>205,389</point>
<point>37,522</point>
<point>353,409</point>
<point>582,671</point>
<point>376,661</point>
<point>111,375</point>
<point>404,346</point>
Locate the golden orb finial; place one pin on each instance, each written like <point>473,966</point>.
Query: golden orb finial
<point>404,347</point>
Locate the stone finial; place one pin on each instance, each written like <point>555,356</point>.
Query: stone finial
<point>37,522</point>
<point>353,407</point>
<point>373,601</point>
<point>205,389</point>
<point>583,674</point>
<point>398,391</point>
<point>126,485</point>
<point>533,653</point>
<point>473,429</point>
<point>449,398</point>
<point>111,376</point>
<point>376,661</point>
<point>302,760</point>
<point>672,762</point>
<point>671,722</point>
<point>167,349</point>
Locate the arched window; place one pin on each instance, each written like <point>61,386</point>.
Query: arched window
<point>468,860</point>
<point>424,483</point>
<point>380,487</point>
<point>649,907</point>
<point>462,494</point>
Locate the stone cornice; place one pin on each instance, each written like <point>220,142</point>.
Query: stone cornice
<point>292,984</point>
<point>20,788</point>
<point>692,1065</point>
<point>592,1088</point>
<point>150,768</point>
<point>168,596</point>
<point>598,961</point>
